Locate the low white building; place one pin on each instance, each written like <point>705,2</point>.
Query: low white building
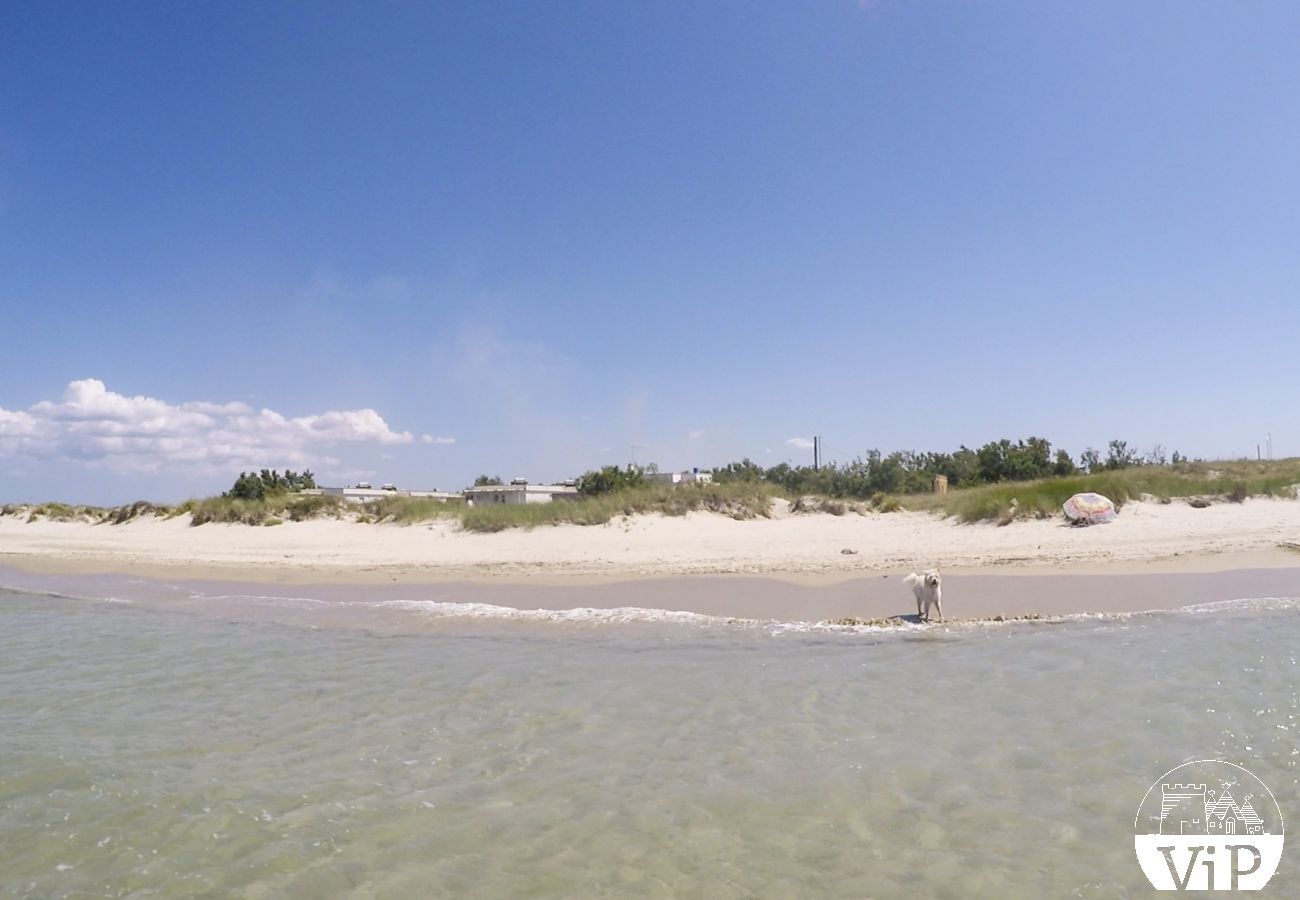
<point>519,492</point>
<point>694,476</point>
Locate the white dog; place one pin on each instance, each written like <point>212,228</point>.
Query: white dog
<point>928,591</point>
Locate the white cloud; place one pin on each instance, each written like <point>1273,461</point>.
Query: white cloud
<point>431,439</point>
<point>99,427</point>
<point>696,434</point>
<point>349,475</point>
<point>802,443</point>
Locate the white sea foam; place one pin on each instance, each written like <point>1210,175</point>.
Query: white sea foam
<point>616,615</point>
<point>776,627</point>
<point>1242,604</point>
<point>632,615</point>
<point>260,598</point>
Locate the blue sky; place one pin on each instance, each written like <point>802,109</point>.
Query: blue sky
<point>434,240</point>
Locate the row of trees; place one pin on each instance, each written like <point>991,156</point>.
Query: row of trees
<point>908,472</point>
<point>269,483</point>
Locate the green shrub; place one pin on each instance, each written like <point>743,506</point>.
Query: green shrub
<point>611,479</point>
<point>310,506</point>
<point>884,503</point>
<point>229,511</point>
<point>269,483</point>
<point>408,510</point>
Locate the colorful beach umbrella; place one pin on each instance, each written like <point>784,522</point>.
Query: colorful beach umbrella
<point>1089,509</point>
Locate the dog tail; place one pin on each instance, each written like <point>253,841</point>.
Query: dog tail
<point>912,579</point>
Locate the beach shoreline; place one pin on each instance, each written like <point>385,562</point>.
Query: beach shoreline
<point>878,599</point>
<point>817,548</point>
<point>793,568</point>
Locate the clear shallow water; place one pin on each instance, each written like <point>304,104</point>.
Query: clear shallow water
<point>154,752</point>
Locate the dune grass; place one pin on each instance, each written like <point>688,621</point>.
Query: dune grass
<point>64,512</point>
<point>96,515</point>
<point>126,513</point>
<point>231,510</point>
<point>737,500</point>
<point>408,510</point>
<point>1225,481</point>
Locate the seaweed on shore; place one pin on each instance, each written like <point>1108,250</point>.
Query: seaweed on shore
<point>900,621</point>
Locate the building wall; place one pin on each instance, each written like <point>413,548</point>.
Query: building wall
<point>664,478</point>
<point>518,495</point>
<point>491,498</point>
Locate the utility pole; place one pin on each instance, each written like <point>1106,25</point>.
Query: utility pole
<point>817,443</point>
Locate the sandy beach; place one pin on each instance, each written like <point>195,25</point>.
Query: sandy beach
<point>790,566</point>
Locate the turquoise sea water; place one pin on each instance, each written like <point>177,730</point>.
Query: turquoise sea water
<point>181,752</point>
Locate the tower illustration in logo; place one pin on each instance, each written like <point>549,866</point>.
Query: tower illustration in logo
<point>1209,825</point>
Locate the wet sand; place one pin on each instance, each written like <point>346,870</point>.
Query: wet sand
<point>966,595</point>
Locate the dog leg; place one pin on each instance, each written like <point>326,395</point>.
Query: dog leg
<point>938,604</point>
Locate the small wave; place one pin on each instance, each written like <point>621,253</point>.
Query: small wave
<point>616,615</point>
<point>38,592</point>
<point>639,615</point>
<point>260,598</point>
<point>776,627</point>
<point>1242,604</point>
<point>900,626</point>
<point>905,627</point>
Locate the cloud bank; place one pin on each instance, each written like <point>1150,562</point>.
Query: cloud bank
<point>802,443</point>
<point>94,425</point>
